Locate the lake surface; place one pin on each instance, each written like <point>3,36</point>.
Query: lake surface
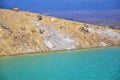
<point>86,64</point>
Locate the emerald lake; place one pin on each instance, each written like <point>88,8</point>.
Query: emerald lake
<point>85,64</point>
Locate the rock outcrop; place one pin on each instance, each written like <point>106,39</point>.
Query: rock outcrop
<point>24,32</point>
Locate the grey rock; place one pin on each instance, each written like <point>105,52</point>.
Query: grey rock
<point>41,30</point>
<point>4,26</point>
<point>84,30</point>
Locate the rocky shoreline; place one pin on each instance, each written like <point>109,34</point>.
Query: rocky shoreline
<point>49,52</point>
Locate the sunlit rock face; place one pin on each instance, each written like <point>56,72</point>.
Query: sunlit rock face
<point>55,40</point>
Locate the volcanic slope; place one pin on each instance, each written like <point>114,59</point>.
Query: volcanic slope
<point>24,32</point>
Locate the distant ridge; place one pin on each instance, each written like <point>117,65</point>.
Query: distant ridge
<point>110,18</point>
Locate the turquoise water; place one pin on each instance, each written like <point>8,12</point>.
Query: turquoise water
<point>88,64</point>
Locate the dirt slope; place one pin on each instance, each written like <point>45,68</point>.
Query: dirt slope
<point>23,32</point>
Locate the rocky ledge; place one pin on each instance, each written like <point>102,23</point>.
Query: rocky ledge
<point>24,32</point>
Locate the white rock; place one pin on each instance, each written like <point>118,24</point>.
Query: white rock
<point>38,24</point>
<point>107,33</point>
<point>103,44</point>
<point>49,44</point>
<point>59,41</point>
<point>52,19</point>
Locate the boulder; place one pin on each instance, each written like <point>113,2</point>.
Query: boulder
<point>41,30</point>
<point>39,17</point>
<point>16,9</point>
<point>23,28</point>
<point>84,30</point>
